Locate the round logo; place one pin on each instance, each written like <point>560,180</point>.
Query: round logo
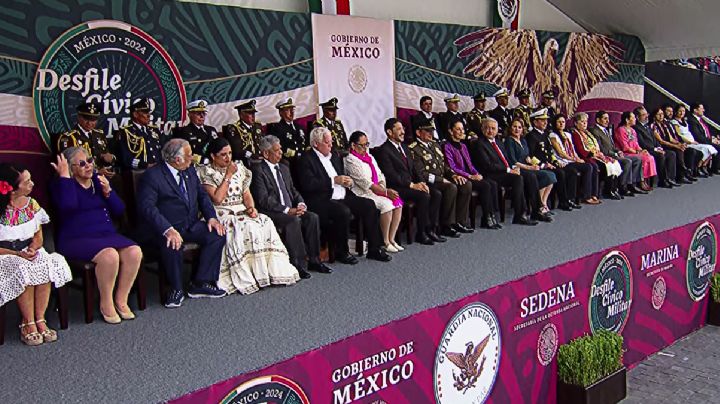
<point>701,260</point>
<point>468,358</point>
<point>357,78</point>
<point>611,293</point>
<point>659,290</point>
<point>547,344</point>
<point>112,64</point>
<point>267,390</point>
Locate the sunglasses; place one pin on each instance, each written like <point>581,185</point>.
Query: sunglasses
<point>83,163</point>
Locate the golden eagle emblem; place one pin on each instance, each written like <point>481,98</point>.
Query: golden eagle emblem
<point>513,59</point>
<point>470,371</point>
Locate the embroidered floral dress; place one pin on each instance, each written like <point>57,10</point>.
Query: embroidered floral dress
<point>17,228</point>
<point>254,255</point>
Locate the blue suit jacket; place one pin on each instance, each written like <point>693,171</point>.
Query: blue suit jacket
<point>160,204</point>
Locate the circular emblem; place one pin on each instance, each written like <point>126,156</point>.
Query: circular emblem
<point>112,64</point>
<point>468,358</point>
<point>357,78</point>
<point>611,293</point>
<point>547,344</point>
<point>701,260</point>
<point>659,290</point>
<point>267,390</point>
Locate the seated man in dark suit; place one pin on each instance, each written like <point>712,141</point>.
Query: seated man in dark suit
<point>170,200</point>
<point>489,156</point>
<point>394,160</point>
<point>631,165</point>
<point>666,160</point>
<point>702,133</point>
<point>276,196</point>
<point>327,191</point>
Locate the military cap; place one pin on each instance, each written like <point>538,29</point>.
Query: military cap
<point>452,98</point>
<point>142,105</point>
<point>197,106</point>
<point>524,93</point>
<point>248,107</point>
<point>539,114</point>
<point>479,96</point>
<point>549,94</point>
<point>427,124</point>
<point>88,110</point>
<point>330,104</point>
<point>285,104</point>
<point>501,93</point>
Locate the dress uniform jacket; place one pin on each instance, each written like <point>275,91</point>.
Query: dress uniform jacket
<point>446,119</point>
<point>503,118</point>
<point>138,148</point>
<point>95,144</point>
<point>523,112</point>
<point>337,130</point>
<point>243,140</point>
<point>474,121</point>
<point>199,139</point>
<point>292,138</point>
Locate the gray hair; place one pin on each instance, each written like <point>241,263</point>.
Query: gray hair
<point>486,121</point>
<point>174,149</point>
<point>581,116</point>
<point>71,152</point>
<point>267,142</point>
<point>317,135</point>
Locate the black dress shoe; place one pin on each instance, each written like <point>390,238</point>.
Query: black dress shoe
<point>524,220</point>
<point>348,259</point>
<point>574,205</point>
<point>615,196</point>
<point>304,274</point>
<point>319,267</point>
<point>435,237</point>
<point>542,217</point>
<point>691,177</point>
<point>637,190</point>
<point>379,255</point>
<point>425,240</point>
<point>665,184</point>
<point>565,206</point>
<point>462,228</point>
<point>450,232</point>
<point>673,183</point>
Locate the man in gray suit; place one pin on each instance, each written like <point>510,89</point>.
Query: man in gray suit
<point>631,165</point>
<point>276,196</point>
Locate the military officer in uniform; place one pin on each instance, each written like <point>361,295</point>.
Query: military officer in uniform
<point>329,120</point>
<point>93,140</point>
<point>244,134</point>
<point>523,110</point>
<point>452,115</point>
<point>548,99</point>
<point>502,114</point>
<point>196,132</point>
<point>429,161</point>
<point>476,115</point>
<point>139,143</point>
<point>292,137</point>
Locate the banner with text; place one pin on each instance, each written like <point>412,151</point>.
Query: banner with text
<point>355,63</point>
<point>500,345</point>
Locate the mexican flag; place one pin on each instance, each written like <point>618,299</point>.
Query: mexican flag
<point>340,7</point>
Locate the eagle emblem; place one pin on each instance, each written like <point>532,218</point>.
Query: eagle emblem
<point>513,59</point>
<point>468,365</point>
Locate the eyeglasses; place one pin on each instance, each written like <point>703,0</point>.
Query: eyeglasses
<point>363,145</point>
<point>83,163</point>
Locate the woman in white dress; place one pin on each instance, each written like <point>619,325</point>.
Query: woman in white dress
<point>683,129</point>
<point>369,182</point>
<point>26,269</point>
<point>254,255</point>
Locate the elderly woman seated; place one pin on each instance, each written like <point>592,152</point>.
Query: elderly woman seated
<point>85,204</point>
<point>254,255</point>
<point>26,270</point>
<point>589,149</point>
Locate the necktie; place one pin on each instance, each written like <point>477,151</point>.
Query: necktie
<point>402,153</point>
<point>283,188</point>
<point>183,190</point>
<point>705,127</point>
<point>499,153</point>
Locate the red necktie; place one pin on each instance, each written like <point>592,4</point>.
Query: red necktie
<point>704,125</point>
<point>499,153</point>
<point>402,153</point>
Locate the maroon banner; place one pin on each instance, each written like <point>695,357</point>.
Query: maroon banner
<point>500,345</point>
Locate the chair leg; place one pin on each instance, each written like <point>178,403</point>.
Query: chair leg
<point>359,238</point>
<point>501,195</point>
<point>410,220</point>
<point>89,294</point>
<point>473,211</point>
<point>2,325</point>
<point>140,288</point>
<point>62,305</point>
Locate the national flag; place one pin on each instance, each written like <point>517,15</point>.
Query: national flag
<point>506,13</point>
<point>340,7</point>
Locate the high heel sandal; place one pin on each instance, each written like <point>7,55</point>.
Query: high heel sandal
<point>110,319</point>
<point>128,315</point>
<point>49,335</point>
<point>32,338</point>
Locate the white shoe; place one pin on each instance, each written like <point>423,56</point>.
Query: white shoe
<point>391,248</point>
<point>398,246</point>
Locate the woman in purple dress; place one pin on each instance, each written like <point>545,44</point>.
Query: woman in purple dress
<point>85,204</point>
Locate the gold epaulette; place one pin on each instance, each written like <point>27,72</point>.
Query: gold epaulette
<point>412,145</point>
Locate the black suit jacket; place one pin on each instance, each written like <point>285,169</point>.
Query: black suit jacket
<point>445,119</point>
<point>504,118</point>
<point>292,140</point>
<point>265,190</point>
<point>485,158</point>
<point>315,184</point>
<point>697,130</point>
<point>399,172</point>
<point>645,137</point>
<point>161,205</point>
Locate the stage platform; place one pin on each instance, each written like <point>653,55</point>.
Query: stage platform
<point>165,354</point>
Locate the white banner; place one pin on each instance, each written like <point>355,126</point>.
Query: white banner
<point>355,63</point>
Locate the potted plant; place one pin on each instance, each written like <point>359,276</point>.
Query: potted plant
<point>590,370</point>
<point>714,301</point>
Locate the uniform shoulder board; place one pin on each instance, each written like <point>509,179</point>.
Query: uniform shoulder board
<point>153,126</point>
<point>413,145</point>
<point>319,122</point>
<point>126,126</point>
<point>71,132</point>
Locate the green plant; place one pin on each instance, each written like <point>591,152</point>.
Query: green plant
<point>587,359</point>
<point>715,287</point>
